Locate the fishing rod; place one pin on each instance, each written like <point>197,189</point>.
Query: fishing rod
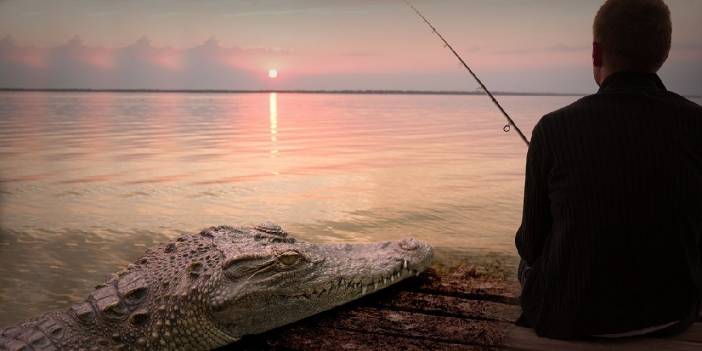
<point>510,122</point>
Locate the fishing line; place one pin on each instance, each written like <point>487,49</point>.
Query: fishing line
<point>510,122</point>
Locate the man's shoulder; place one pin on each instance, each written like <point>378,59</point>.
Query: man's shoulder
<point>586,106</point>
<point>686,103</point>
<point>572,110</point>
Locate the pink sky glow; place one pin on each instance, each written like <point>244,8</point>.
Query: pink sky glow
<point>529,45</point>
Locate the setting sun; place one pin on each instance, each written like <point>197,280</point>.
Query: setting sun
<point>272,73</point>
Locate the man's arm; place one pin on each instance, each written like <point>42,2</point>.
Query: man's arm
<point>536,216</point>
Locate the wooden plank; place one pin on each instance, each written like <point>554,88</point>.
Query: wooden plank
<point>373,324</point>
<point>456,312</point>
<point>417,325</point>
<point>693,334</point>
<point>450,306</point>
<point>479,289</point>
<point>524,339</point>
<point>301,338</point>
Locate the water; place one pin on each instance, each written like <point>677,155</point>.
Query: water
<point>89,180</point>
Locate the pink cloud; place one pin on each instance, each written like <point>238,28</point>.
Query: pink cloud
<point>28,56</point>
<point>140,65</point>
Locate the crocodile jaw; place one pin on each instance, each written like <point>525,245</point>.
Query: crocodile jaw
<point>340,273</point>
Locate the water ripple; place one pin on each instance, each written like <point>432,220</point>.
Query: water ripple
<point>88,181</point>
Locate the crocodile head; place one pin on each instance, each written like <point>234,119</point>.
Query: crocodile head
<point>204,291</point>
<point>268,279</point>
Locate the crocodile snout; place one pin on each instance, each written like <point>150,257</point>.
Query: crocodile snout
<point>418,253</point>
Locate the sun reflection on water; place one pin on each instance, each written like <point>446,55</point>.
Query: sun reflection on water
<point>273,115</point>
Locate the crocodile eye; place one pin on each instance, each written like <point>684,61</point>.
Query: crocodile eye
<point>245,265</point>
<point>289,258</point>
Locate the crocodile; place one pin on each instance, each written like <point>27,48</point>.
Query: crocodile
<point>209,289</point>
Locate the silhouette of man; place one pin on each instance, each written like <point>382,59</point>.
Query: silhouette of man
<point>611,233</point>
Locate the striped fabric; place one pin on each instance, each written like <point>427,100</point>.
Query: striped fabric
<point>612,220</point>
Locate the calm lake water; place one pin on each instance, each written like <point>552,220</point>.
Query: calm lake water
<point>89,180</point>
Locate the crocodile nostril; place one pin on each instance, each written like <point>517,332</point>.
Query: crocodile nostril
<point>409,244</point>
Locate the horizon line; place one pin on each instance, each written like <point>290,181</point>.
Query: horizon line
<point>293,91</point>
<point>309,91</point>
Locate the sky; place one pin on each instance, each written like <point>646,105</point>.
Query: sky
<point>513,45</point>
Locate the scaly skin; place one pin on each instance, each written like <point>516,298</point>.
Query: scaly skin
<point>207,290</point>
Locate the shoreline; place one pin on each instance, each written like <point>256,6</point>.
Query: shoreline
<point>294,91</point>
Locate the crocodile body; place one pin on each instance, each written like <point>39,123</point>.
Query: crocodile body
<point>207,290</point>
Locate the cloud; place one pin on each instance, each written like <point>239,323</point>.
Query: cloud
<point>360,53</point>
<point>692,46</point>
<point>211,66</point>
<point>313,7</point>
<point>140,65</point>
<point>555,48</point>
<point>567,48</point>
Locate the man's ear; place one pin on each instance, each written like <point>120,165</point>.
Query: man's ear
<point>596,54</point>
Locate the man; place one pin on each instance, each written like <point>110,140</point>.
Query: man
<point>611,234</point>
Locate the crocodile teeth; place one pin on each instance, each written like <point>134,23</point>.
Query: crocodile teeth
<point>364,290</point>
<point>375,286</point>
<point>404,263</point>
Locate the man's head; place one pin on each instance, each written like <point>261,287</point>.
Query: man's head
<point>630,35</point>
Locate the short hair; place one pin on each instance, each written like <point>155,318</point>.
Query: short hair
<point>634,34</point>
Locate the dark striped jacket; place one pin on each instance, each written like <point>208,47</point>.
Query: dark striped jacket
<point>612,221</point>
